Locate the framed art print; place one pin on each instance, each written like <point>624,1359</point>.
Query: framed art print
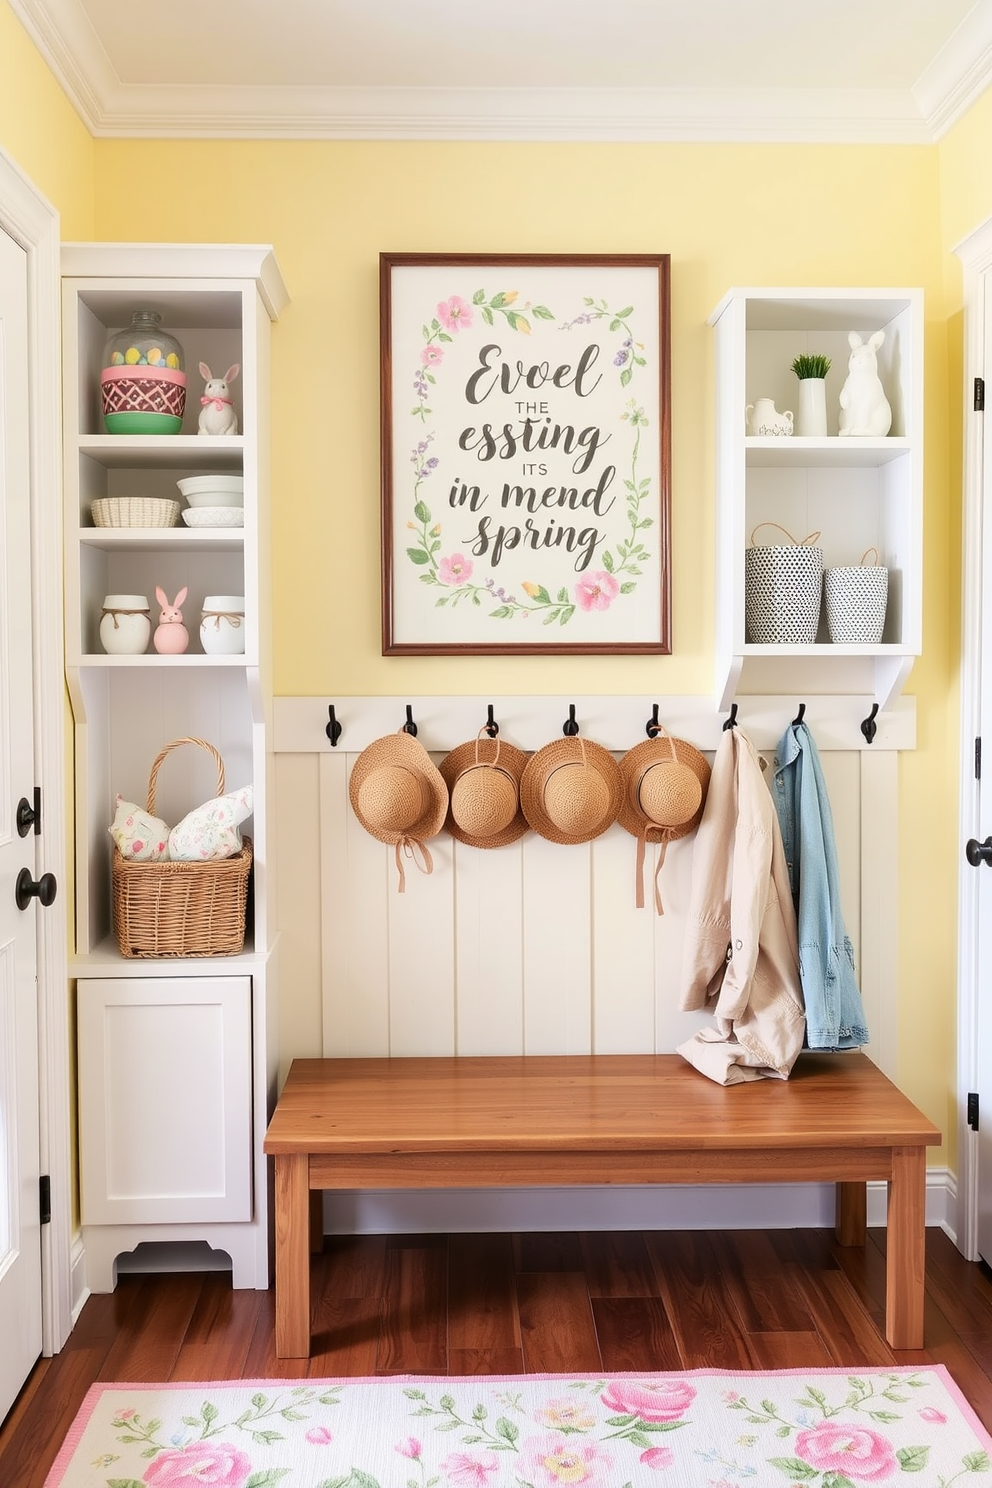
<point>526,454</point>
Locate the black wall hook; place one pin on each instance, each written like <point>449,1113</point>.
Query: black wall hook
<point>333,728</point>
<point>731,722</point>
<point>409,727</point>
<point>570,728</point>
<point>800,715</point>
<point>868,726</point>
<point>491,726</point>
<point>652,726</point>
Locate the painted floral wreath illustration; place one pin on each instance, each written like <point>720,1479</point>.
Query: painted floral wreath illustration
<point>452,572</point>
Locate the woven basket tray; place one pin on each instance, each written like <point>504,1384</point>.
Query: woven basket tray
<point>181,909</point>
<point>134,511</point>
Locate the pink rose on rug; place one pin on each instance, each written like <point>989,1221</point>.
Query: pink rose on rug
<point>933,1415</point>
<point>468,1471</point>
<point>216,1463</point>
<point>658,1458</point>
<point>454,313</point>
<point>409,1447</point>
<point>557,1462</point>
<point>663,1399</point>
<point>319,1436</point>
<point>854,1452</point>
<point>561,1415</point>
<point>596,591</point>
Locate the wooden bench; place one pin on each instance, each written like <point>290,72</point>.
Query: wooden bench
<point>598,1119</point>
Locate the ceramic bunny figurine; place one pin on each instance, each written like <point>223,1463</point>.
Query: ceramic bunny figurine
<point>171,636</point>
<point>864,408</point>
<point>217,415</point>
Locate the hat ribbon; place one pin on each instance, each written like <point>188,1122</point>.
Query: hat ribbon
<point>642,842</point>
<point>411,846</point>
<point>655,729</point>
<point>649,826</point>
<point>494,738</point>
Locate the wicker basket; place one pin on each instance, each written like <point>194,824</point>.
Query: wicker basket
<point>134,511</point>
<point>181,909</point>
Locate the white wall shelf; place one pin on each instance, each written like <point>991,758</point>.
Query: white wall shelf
<point>857,493</point>
<point>219,302</point>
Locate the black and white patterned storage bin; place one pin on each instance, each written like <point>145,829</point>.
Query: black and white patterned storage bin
<point>782,591</point>
<point>856,598</point>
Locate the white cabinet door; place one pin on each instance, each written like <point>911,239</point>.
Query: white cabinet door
<point>165,1099</point>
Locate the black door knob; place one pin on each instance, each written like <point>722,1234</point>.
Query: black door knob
<point>978,852</point>
<point>26,888</point>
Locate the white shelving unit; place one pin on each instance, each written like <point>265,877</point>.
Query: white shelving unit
<point>159,1035</point>
<point>858,493</point>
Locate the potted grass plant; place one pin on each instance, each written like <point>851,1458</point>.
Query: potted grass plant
<point>811,368</point>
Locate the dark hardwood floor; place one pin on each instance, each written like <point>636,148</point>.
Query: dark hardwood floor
<point>506,1304</point>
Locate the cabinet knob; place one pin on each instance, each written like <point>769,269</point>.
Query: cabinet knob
<point>978,852</point>
<point>27,888</point>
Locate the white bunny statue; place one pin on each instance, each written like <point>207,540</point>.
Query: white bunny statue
<point>217,415</point>
<point>864,408</point>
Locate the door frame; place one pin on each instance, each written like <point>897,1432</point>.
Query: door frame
<point>33,223</point>
<point>975,253</point>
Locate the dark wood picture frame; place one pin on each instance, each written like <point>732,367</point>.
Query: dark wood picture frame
<point>525,454</point>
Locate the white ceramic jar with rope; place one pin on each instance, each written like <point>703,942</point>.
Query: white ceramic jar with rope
<point>125,625</point>
<point>222,624</point>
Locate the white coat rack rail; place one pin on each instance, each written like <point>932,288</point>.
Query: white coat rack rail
<point>307,725</point>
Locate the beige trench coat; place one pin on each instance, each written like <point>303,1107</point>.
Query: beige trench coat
<point>740,959</point>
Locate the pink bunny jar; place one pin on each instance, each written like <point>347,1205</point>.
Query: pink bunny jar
<point>171,636</point>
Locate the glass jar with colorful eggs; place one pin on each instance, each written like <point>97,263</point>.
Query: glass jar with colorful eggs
<point>143,381</point>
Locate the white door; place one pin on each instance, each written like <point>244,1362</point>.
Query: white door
<point>979,848</point>
<point>20,1227</point>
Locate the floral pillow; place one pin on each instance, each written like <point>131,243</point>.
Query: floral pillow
<point>211,831</point>
<point>137,834</point>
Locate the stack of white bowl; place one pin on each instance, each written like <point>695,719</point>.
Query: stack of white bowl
<point>213,500</point>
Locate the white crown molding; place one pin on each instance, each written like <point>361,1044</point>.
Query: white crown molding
<point>62,31</point>
<point>66,40</point>
<point>960,72</point>
<point>842,116</point>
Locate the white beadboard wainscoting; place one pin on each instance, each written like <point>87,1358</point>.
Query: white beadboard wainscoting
<point>537,948</point>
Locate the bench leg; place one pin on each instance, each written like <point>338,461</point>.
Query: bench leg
<point>851,1224</point>
<point>293,1256</point>
<point>906,1249</point>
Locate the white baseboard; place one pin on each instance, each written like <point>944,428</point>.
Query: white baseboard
<point>79,1291</point>
<point>750,1206</point>
<point>772,1206</point>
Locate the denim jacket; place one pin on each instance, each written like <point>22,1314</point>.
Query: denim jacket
<point>835,1016</point>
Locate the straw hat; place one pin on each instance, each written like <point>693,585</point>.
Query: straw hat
<point>571,790</point>
<point>483,780</point>
<point>664,788</point>
<point>399,796</point>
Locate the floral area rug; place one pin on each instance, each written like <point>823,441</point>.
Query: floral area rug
<point>705,1428</point>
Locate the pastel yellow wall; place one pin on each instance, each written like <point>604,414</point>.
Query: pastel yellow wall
<point>728,215</point>
<point>41,131</point>
<point>43,135</point>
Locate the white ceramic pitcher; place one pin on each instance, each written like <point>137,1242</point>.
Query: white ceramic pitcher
<point>762,417</point>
